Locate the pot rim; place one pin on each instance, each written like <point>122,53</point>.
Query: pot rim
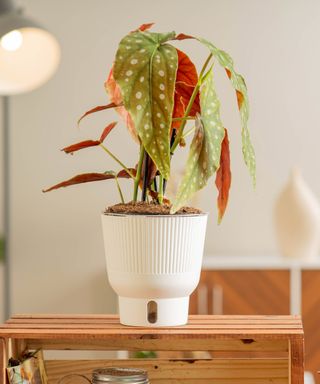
<point>154,215</point>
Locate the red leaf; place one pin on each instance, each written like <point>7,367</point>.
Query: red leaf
<point>144,27</point>
<point>183,36</point>
<point>83,144</point>
<point>114,93</point>
<point>80,179</point>
<point>106,131</point>
<point>223,177</point>
<point>186,80</point>
<point>123,174</point>
<point>97,109</point>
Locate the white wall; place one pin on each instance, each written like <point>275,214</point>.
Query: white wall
<point>57,250</point>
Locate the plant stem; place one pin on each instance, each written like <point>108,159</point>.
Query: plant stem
<point>183,118</point>
<point>155,184</point>
<point>160,194</point>
<point>117,160</point>
<point>188,133</point>
<point>191,101</point>
<point>119,189</point>
<point>138,175</point>
<point>173,136</point>
<point>145,176</point>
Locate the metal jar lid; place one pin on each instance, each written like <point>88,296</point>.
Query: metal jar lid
<point>119,375</point>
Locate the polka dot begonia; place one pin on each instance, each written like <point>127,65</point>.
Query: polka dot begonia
<point>146,77</point>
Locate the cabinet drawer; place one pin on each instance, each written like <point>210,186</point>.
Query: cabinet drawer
<point>242,292</point>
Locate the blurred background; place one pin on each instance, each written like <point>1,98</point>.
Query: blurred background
<point>56,248</point>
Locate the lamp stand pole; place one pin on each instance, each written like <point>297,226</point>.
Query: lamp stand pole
<point>6,206</point>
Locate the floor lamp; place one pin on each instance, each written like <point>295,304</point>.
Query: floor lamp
<point>29,55</point>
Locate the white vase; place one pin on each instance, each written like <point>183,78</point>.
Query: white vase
<point>154,264</point>
<point>297,220</point>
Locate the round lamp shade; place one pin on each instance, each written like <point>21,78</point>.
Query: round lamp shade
<point>29,55</point>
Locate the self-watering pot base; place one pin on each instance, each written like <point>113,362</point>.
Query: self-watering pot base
<point>153,312</point>
<point>154,265</point>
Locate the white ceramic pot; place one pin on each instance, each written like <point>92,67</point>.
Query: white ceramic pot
<point>154,264</point>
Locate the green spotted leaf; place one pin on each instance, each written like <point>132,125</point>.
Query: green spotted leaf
<point>239,85</point>
<point>191,178</point>
<point>205,149</point>
<point>211,120</point>
<point>145,70</point>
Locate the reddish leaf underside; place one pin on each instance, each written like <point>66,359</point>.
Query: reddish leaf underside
<point>98,109</point>
<point>80,179</point>
<point>107,130</point>
<point>223,177</point>
<point>89,177</point>
<point>123,174</point>
<point>90,143</point>
<point>186,80</point>
<point>144,27</point>
<point>183,36</point>
<point>83,144</point>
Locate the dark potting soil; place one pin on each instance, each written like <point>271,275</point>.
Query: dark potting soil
<point>143,208</point>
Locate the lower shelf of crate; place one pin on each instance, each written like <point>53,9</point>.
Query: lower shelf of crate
<point>222,371</point>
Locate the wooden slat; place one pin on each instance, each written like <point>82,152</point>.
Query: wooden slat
<point>116,317</point>
<point>109,322</point>
<point>170,371</point>
<point>62,326</point>
<point>296,361</point>
<point>181,344</point>
<point>92,336</point>
<point>211,327</point>
<point>3,361</point>
<point>198,319</point>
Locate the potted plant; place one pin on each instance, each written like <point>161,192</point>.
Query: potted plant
<point>153,246</point>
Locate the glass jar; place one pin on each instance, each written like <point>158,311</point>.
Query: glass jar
<point>119,376</point>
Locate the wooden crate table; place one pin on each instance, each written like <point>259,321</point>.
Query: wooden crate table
<point>244,349</point>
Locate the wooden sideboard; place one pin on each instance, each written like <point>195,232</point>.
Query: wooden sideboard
<point>263,286</point>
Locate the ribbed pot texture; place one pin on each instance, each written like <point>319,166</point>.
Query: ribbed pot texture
<point>154,264</point>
